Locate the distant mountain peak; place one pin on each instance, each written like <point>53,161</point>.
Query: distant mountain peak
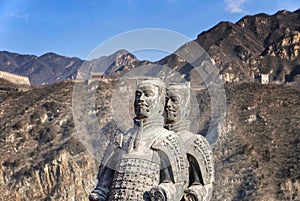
<point>255,44</point>
<point>241,50</point>
<point>49,54</point>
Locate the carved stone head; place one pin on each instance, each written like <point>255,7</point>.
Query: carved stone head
<point>149,99</point>
<point>177,103</point>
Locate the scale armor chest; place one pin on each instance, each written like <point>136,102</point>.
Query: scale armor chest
<point>133,178</point>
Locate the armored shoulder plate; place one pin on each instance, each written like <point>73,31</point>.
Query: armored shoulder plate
<point>169,144</point>
<point>198,147</point>
<point>113,152</point>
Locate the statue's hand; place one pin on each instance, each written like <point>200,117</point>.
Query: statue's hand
<point>96,196</point>
<point>157,194</point>
<point>190,195</point>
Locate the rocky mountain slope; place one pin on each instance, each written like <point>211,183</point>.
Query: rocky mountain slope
<point>114,65</point>
<point>46,69</point>
<point>51,68</point>
<point>257,155</point>
<point>255,45</point>
<point>42,157</point>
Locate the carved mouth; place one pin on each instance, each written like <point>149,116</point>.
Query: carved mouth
<point>174,115</point>
<point>171,113</point>
<point>143,105</point>
<point>171,110</point>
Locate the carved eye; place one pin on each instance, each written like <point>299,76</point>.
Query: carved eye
<point>174,99</point>
<point>148,93</point>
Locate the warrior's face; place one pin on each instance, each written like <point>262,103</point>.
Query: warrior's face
<point>147,101</point>
<point>173,107</point>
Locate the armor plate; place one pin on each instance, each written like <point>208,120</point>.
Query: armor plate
<point>177,157</point>
<point>200,149</point>
<point>133,178</point>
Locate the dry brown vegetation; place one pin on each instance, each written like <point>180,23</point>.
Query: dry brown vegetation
<point>42,158</point>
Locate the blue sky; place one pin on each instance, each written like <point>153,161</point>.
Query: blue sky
<point>76,27</point>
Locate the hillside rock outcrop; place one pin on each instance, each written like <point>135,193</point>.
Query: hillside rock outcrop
<point>43,156</point>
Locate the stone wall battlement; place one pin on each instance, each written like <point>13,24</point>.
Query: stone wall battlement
<point>16,79</point>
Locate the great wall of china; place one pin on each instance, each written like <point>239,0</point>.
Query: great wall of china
<point>16,79</point>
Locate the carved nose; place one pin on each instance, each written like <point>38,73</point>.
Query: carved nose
<point>169,105</point>
<point>142,97</point>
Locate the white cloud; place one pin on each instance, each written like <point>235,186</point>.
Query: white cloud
<point>234,6</point>
<point>19,14</point>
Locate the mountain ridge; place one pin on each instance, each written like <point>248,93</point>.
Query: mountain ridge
<point>242,51</point>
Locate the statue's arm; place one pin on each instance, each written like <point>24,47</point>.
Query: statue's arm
<point>196,189</point>
<point>167,189</point>
<point>105,174</point>
<point>173,169</point>
<point>201,170</point>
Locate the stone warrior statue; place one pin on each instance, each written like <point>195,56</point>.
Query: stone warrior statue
<point>199,154</point>
<point>147,162</point>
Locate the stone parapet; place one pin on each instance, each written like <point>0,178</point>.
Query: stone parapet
<point>16,79</point>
